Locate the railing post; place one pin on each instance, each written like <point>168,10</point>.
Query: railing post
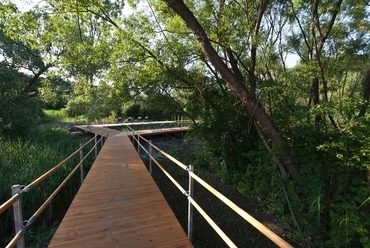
<point>81,165</point>
<point>190,206</point>
<point>150,157</point>
<point>96,146</point>
<point>138,144</point>
<point>18,216</point>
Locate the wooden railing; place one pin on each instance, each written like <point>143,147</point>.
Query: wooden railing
<point>192,203</point>
<point>22,225</point>
<point>17,191</point>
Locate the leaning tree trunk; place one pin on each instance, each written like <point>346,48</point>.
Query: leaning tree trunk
<point>36,77</point>
<point>235,84</point>
<point>366,99</point>
<point>316,96</point>
<point>365,94</point>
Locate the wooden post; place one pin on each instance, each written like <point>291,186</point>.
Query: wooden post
<point>190,206</point>
<point>18,216</point>
<point>81,165</point>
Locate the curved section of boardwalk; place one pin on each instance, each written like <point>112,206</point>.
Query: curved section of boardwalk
<point>119,205</point>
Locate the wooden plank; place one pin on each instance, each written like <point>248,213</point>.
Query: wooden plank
<point>119,205</point>
<point>112,132</point>
<point>162,131</point>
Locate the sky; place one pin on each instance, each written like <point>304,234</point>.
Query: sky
<point>291,60</point>
<point>24,5</point>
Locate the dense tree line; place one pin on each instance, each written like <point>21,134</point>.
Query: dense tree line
<point>296,138</point>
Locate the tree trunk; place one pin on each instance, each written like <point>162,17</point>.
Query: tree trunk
<point>235,84</point>
<point>35,78</point>
<point>316,96</point>
<point>365,94</point>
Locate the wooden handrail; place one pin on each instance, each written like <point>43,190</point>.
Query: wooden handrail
<point>258,225</point>
<point>17,196</point>
<point>255,223</point>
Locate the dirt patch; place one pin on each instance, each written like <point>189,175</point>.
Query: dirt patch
<point>238,230</point>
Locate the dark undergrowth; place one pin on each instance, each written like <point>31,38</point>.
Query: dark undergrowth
<point>238,230</point>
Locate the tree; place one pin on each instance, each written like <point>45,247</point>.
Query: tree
<point>28,43</point>
<point>18,113</point>
<point>233,77</point>
<point>28,52</point>
<point>21,68</point>
<point>224,62</point>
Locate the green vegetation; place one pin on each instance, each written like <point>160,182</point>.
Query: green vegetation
<point>23,160</point>
<point>60,115</point>
<point>56,115</point>
<point>293,137</point>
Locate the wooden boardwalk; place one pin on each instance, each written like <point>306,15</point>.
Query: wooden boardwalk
<point>162,131</point>
<point>119,204</point>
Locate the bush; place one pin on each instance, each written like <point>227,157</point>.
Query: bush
<point>19,112</point>
<point>19,115</point>
<point>77,107</point>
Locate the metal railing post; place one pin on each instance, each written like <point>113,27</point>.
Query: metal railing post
<point>190,206</point>
<point>138,144</point>
<point>18,216</point>
<point>96,146</point>
<point>150,157</point>
<point>81,165</point>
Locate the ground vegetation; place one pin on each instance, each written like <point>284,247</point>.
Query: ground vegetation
<point>294,137</point>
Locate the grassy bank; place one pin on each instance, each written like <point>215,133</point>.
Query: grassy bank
<point>52,116</point>
<point>24,159</point>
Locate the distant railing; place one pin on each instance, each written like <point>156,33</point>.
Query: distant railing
<point>142,125</point>
<point>191,202</point>
<point>17,191</point>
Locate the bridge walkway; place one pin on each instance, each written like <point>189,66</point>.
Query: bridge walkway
<point>119,204</point>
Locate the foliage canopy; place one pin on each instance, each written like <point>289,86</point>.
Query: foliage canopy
<point>302,131</point>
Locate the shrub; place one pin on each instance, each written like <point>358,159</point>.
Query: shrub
<point>77,107</point>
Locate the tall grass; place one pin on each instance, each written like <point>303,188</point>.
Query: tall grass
<point>60,115</point>
<point>56,115</point>
<point>22,160</point>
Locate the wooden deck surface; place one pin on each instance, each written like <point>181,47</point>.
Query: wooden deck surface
<point>119,204</point>
<point>100,129</point>
<point>162,131</point>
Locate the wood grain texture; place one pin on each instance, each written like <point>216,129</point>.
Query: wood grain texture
<point>119,205</point>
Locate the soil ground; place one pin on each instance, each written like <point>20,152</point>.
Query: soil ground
<point>238,230</point>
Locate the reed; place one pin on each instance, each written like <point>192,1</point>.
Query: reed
<point>22,160</point>
<point>56,115</point>
<point>61,115</point>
